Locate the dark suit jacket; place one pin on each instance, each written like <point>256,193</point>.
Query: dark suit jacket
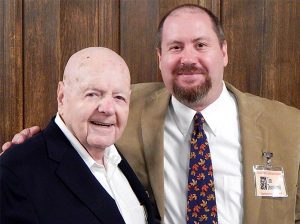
<point>44,180</point>
<point>264,125</point>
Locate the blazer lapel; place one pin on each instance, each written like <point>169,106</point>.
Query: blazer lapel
<point>74,173</point>
<point>152,122</point>
<point>252,147</point>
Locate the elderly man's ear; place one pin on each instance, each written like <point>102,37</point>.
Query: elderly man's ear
<point>60,96</point>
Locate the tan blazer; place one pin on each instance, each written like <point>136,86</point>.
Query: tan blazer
<point>264,125</point>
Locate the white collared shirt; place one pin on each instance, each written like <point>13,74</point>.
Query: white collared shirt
<point>110,177</point>
<point>222,131</point>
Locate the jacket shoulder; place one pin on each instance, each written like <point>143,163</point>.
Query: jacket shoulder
<point>24,154</point>
<point>146,89</point>
<point>270,112</point>
<point>264,104</point>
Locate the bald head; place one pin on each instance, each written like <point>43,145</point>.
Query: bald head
<point>93,98</point>
<point>94,58</point>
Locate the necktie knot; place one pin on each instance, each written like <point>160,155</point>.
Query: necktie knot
<point>198,122</point>
<point>199,119</point>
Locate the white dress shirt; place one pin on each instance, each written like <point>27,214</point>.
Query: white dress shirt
<point>222,131</point>
<point>110,177</point>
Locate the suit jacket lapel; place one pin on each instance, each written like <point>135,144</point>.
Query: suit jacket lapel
<point>252,147</point>
<point>153,137</point>
<point>74,173</point>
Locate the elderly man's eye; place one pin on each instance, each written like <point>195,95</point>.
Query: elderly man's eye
<point>175,48</point>
<point>120,98</point>
<point>91,95</point>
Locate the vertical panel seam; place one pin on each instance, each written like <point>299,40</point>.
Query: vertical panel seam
<point>22,62</point>
<point>262,67</point>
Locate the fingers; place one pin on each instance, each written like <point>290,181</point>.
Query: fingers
<point>6,146</point>
<point>22,136</point>
<point>34,130</point>
<point>25,134</point>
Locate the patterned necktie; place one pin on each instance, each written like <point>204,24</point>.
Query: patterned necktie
<point>201,199</point>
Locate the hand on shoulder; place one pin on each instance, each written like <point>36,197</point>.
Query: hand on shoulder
<point>21,137</point>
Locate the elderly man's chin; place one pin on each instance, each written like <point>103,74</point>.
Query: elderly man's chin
<point>100,142</point>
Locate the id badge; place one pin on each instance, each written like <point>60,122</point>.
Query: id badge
<point>269,180</point>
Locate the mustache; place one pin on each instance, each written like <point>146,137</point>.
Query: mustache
<point>189,68</point>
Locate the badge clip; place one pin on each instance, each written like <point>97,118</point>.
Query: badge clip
<point>268,156</point>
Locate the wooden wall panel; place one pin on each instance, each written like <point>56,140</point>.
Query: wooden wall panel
<point>244,30</point>
<point>166,6</point>
<point>41,60</point>
<point>264,49</point>
<point>281,52</point>
<point>11,77</point>
<point>109,24</point>
<point>79,27</point>
<point>139,19</point>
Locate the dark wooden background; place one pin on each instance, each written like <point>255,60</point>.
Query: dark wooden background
<point>38,36</point>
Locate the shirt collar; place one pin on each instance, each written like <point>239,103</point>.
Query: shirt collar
<point>213,113</point>
<point>182,114</point>
<point>111,155</point>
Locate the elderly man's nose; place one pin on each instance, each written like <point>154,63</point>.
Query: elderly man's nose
<point>106,105</point>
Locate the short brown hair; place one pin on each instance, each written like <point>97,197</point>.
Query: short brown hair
<point>215,21</point>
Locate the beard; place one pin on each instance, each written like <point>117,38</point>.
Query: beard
<point>191,95</point>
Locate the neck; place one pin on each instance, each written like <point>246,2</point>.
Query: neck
<point>97,155</point>
<point>206,100</point>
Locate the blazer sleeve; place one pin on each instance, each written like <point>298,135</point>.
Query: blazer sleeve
<point>15,206</point>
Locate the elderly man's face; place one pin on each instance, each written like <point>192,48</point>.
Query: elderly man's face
<point>191,59</point>
<point>94,101</point>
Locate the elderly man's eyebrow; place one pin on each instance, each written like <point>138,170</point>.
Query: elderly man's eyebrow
<point>174,42</point>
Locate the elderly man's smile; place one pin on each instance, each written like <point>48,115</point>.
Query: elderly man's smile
<point>102,124</point>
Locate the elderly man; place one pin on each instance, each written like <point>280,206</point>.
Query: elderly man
<point>72,172</point>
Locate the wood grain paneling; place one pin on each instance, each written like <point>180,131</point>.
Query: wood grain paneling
<point>166,6</point>
<point>109,24</point>
<point>263,48</point>
<point>244,30</point>
<point>79,27</point>
<point>41,60</point>
<point>11,77</point>
<point>139,19</point>
<point>281,52</point>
